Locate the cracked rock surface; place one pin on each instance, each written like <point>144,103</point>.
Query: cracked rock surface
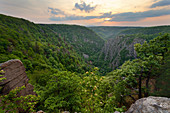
<point>151,105</point>
<point>15,77</point>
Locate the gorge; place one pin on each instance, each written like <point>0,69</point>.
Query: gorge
<point>86,69</point>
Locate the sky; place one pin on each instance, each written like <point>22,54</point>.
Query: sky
<point>90,12</point>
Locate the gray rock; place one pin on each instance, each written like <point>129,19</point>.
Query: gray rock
<point>40,111</point>
<point>113,47</point>
<point>151,105</point>
<point>85,56</point>
<point>116,112</point>
<point>15,77</point>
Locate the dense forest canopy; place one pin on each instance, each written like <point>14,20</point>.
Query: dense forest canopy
<point>65,80</point>
<point>83,40</point>
<point>108,32</point>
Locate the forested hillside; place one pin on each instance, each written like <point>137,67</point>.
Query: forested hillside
<point>42,51</point>
<point>147,30</point>
<point>108,32</point>
<point>120,48</point>
<point>39,48</point>
<point>84,40</point>
<point>64,81</point>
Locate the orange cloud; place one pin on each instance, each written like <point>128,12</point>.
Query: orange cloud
<point>152,21</point>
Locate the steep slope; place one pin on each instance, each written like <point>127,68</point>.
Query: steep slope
<point>63,81</point>
<point>38,47</point>
<point>84,40</point>
<point>117,50</point>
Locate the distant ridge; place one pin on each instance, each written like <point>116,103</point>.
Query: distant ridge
<point>108,32</point>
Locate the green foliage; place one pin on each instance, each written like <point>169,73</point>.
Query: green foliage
<point>66,91</point>
<point>62,79</point>
<point>44,53</point>
<point>101,63</point>
<point>95,94</point>
<point>162,81</point>
<point>124,56</point>
<point>147,30</point>
<point>127,79</point>
<point>108,32</point>
<point>124,37</point>
<point>2,78</point>
<point>83,40</point>
<point>38,47</point>
<point>11,102</point>
<point>61,93</point>
<point>91,101</point>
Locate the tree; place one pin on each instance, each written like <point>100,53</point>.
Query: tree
<point>91,101</point>
<point>153,54</point>
<point>12,102</point>
<point>61,93</point>
<point>127,80</point>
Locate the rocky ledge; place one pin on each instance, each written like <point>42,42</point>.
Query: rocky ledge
<point>15,77</point>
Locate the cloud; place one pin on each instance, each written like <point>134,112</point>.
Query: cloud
<point>130,16</point>
<point>72,17</point>
<point>160,3</point>
<point>55,11</point>
<point>84,7</point>
<point>106,15</point>
<point>119,17</point>
<point>66,17</point>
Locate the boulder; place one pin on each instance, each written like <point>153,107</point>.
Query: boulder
<point>85,56</point>
<point>15,77</point>
<point>151,105</point>
<point>40,111</point>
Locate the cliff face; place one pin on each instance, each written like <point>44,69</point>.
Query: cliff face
<point>118,50</point>
<point>15,77</point>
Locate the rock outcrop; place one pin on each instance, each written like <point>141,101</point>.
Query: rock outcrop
<point>151,105</point>
<point>118,50</point>
<point>15,77</point>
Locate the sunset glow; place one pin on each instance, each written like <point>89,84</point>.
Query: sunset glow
<point>107,19</point>
<point>84,12</point>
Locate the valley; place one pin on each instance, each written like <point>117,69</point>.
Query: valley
<point>87,69</point>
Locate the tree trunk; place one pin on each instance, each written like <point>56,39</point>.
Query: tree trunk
<point>132,97</point>
<point>140,87</point>
<point>147,85</point>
